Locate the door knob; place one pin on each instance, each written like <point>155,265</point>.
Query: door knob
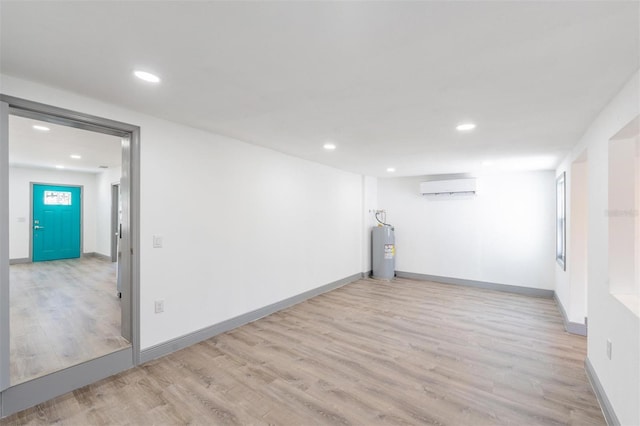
<point>38,227</point>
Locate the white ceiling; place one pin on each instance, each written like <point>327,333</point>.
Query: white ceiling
<point>387,82</point>
<point>48,149</point>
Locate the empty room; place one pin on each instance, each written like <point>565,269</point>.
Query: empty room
<point>320,212</point>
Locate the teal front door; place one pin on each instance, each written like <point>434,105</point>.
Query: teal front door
<point>56,222</point>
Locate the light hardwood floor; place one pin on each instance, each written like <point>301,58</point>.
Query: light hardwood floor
<point>63,312</point>
<point>372,352</point>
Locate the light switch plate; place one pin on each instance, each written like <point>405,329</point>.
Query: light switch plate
<point>157,241</point>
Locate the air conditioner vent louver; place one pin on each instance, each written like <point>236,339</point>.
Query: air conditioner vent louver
<point>448,187</point>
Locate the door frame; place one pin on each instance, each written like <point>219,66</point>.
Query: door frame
<point>115,219</point>
<point>31,214</point>
<point>27,394</point>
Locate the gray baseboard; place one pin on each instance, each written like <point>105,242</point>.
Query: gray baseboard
<point>605,404</point>
<point>367,274</point>
<point>90,254</point>
<point>24,395</point>
<point>570,327</point>
<point>527,291</point>
<point>187,340</point>
<point>97,256</point>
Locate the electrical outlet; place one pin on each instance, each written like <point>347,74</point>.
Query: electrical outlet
<point>159,306</point>
<point>609,348</point>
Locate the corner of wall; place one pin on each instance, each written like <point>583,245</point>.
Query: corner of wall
<point>369,203</point>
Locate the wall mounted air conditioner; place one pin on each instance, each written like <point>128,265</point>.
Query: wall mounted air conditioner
<point>449,187</point>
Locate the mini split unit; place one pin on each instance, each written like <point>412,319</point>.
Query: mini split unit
<point>449,187</point>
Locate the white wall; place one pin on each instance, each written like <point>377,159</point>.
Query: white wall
<point>504,234</point>
<point>20,179</point>
<point>577,242</point>
<point>637,218</point>
<point>370,202</point>
<point>571,283</point>
<point>608,317</point>
<point>243,226</point>
<point>104,181</point>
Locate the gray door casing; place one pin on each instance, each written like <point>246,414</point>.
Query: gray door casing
<point>115,220</point>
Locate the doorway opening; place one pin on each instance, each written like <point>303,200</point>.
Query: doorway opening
<point>69,307</point>
<point>64,303</point>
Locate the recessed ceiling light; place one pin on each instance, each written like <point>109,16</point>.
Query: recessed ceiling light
<point>41,128</point>
<point>59,166</point>
<point>147,76</point>
<point>391,169</point>
<point>329,146</point>
<point>465,127</point>
<point>487,163</point>
<point>75,156</point>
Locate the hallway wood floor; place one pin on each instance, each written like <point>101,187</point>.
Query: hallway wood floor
<point>405,352</point>
<point>63,312</point>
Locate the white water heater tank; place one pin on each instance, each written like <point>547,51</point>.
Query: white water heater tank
<point>383,252</point>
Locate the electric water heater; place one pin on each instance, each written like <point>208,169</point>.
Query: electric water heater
<point>383,252</point>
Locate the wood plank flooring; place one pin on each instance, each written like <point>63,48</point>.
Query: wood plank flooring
<point>63,312</point>
<point>399,353</point>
